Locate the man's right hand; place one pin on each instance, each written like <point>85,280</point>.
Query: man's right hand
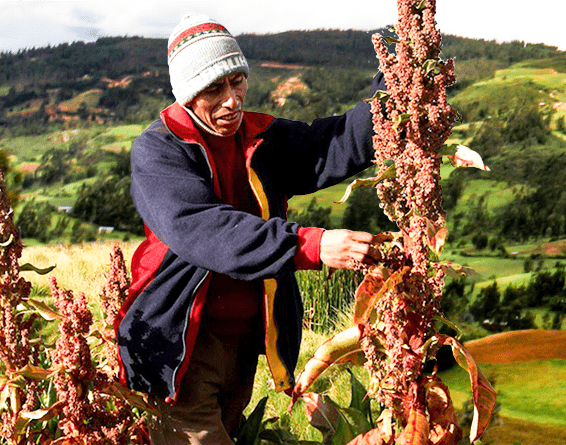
<point>339,247</point>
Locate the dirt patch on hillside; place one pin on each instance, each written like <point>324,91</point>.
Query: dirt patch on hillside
<point>29,167</point>
<point>287,66</point>
<point>285,89</point>
<point>519,346</point>
<point>553,248</point>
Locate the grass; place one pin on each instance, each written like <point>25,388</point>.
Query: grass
<point>532,391</point>
<point>79,267</point>
<point>90,98</point>
<point>529,391</point>
<point>325,198</point>
<point>125,131</point>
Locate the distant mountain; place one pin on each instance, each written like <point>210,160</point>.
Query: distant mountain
<point>119,56</point>
<point>125,79</point>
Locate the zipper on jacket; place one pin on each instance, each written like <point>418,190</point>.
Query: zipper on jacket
<point>185,328</point>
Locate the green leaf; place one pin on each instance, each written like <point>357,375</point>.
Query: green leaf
<point>279,436</point>
<point>400,120</point>
<point>359,399</point>
<point>251,429</point>
<point>30,267</point>
<point>430,66</point>
<point>389,173</point>
<point>389,40</point>
<point>382,95</point>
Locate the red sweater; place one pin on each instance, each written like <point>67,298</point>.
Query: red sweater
<point>233,304</point>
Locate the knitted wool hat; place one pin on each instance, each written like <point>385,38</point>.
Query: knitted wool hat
<point>201,51</point>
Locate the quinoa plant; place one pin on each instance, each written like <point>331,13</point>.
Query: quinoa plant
<point>61,394</point>
<point>397,306</point>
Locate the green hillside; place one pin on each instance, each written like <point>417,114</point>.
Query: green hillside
<point>69,114</point>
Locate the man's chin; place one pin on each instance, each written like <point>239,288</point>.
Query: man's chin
<point>228,128</point>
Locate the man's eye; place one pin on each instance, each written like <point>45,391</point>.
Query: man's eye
<point>238,80</point>
<point>212,89</point>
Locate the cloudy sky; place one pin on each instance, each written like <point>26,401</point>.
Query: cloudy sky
<point>27,24</point>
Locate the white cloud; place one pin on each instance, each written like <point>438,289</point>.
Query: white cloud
<point>25,24</point>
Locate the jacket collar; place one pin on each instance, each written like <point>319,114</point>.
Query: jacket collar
<point>179,123</point>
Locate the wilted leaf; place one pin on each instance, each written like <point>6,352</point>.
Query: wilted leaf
<point>44,310</point>
<point>340,348</point>
<point>31,267</point>
<point>448,150</point>
<point>456,270</point>
<point>417,429</point>
<point>466,157</point>
<point>8,242</point>
<point>375,284</point>
<point>338,425</point>
<point>444,425</point>
<point>371,437</point>
<point>483,394</point>
<point>43,415</point>
<point>437,236</point>
<point>389,173</point>
<point>36,373</point>
<point>323,416</point>
<point>134,398</point>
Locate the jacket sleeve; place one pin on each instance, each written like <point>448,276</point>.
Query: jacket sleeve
<point>312,157</point>
<point>173,192</point>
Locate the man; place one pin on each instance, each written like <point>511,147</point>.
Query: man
<point>213,284</point>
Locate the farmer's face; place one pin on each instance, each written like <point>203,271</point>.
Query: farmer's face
<point>220,106</point>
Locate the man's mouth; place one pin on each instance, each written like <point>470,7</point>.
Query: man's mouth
<point>232,117</point>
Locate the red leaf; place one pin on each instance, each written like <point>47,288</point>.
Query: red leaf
<point>375,284</point>
<point>444,428</point>
<point>417,429</point>
<point>323,416</point>
<point>368,292</point>
<point>372,437</point>
<point>483,394</point>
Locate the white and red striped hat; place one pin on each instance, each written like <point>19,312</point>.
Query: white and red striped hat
<point>201,51</point>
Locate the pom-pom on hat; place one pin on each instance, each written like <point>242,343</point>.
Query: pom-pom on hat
<point>201,51</point>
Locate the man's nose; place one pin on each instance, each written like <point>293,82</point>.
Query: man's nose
<point>230,99</point>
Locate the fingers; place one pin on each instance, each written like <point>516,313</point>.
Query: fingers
<point>340,247</point>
